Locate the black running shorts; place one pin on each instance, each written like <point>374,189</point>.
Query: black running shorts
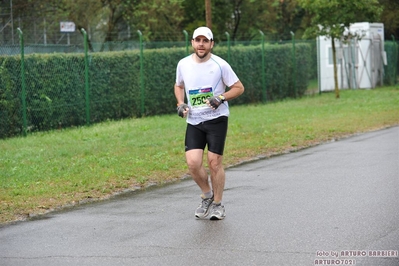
<point>212,132</point>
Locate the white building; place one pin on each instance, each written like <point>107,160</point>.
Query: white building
<point>360,60</point>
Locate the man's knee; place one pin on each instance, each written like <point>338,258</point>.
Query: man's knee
<point>214,161</point>
<point>194,159</point>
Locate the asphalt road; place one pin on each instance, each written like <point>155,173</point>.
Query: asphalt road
<point>336,203</point>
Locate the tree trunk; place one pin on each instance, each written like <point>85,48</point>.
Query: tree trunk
<point>335,67</point>
<point>208,13</point>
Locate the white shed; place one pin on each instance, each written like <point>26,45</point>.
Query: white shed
<point>359,60</point>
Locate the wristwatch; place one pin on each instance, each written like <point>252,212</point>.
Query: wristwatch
<point>222,98</point>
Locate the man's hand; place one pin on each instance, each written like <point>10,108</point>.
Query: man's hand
<point>182,110</point>
<point>215,101</point>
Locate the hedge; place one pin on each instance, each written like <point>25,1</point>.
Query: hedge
<point>55,84</point>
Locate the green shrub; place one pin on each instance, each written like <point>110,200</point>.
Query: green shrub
<point>391,69</point>
<point>56,92</point>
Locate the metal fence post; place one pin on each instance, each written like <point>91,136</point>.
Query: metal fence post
<point>318,64</point>
<point>395,45</point>
<point>263,68</point>
<point>293,63</point>
<point>23,82</point>
<point>141,73</point>
<point>228,46</point>
<point>186,38</point>
<point>86,78</point>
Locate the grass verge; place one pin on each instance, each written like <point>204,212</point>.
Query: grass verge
<point>51,170</point>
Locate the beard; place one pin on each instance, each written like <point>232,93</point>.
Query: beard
<point>201,56</point>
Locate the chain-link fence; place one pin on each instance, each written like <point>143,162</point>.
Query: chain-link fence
<point>44,87</point>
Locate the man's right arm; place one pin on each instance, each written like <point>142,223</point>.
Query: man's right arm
<point>179,94</point>
<point>182,108</point>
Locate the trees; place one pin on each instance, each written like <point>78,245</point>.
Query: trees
<point>330,18</point>
<point>119,20</point>
<point>243,19</point>
<point>194,15</point>
<point>288,16</point>
<point>105,20</point>
<point>159,20</point>
<point>38,16</point>
<point>390,18</point>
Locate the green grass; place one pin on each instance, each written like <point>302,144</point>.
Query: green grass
<point>313,87</point>
<point>49,170</point>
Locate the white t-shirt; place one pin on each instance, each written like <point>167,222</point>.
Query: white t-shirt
<point>203,80</point>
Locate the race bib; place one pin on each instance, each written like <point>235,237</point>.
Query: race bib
<point>198,96</point>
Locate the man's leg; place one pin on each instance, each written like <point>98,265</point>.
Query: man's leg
<point>197,170</point>
<point>218,177</point>
<point>217,210</point>
<point>200,176</point>
<point>216,141</point>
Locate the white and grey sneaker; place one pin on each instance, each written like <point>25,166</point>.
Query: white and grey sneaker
<point>217,211</point>
<point>203,209</point>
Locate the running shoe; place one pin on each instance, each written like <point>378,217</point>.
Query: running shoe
<point>217,211</point>
<point>203,209</point>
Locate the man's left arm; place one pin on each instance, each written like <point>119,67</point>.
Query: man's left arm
<point>235,90</point>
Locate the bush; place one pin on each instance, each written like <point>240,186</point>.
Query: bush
<point>56,94</point>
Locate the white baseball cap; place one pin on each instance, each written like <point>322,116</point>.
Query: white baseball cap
<point>203,31</point>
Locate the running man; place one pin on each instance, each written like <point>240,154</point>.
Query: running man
<point>202,77</point>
